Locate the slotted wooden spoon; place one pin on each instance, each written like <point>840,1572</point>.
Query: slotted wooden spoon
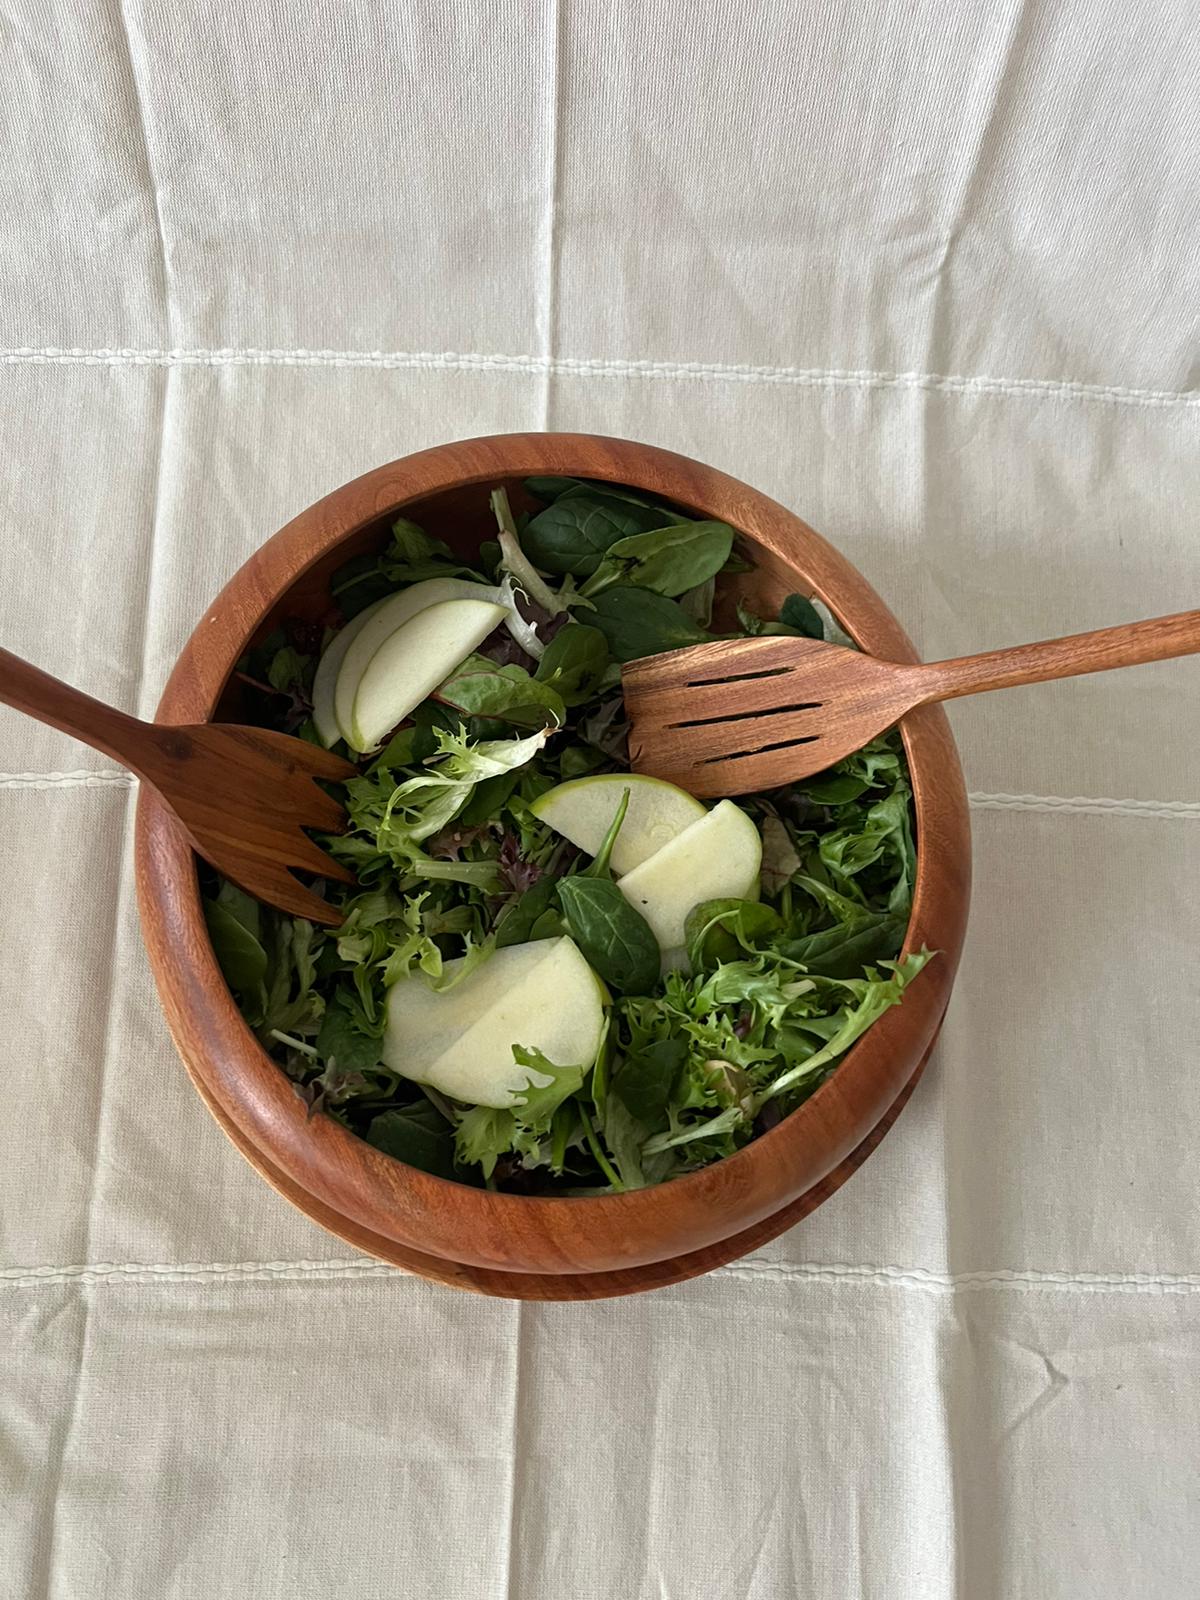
<point>242,795</point>
<point>744,714</point>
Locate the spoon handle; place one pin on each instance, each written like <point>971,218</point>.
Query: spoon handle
<point>1130,645</point>
<point>27,688</point>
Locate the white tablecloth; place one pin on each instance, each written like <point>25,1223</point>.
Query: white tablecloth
<point>929,275</point>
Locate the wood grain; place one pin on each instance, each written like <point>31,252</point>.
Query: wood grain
<point>745,714</point>
<point>331,1174</point>
<point>241,795</point>
<point>569,1286</point>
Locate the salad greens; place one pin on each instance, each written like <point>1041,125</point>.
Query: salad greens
<point>452,864</point>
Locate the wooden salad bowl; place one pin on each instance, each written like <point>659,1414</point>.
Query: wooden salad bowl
<point>542,1247</point>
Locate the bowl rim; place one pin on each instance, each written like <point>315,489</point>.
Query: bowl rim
<point>405,1203</point>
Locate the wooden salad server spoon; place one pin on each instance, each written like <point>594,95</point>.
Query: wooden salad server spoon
<point>242,795</point>
<point>738,715</point>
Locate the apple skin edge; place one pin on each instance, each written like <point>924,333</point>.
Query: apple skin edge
<point>582,810</point>
<point>409,663</point>
<point>459,1040</point>
<point>718,857</point>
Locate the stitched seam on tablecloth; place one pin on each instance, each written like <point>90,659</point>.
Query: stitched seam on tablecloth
<point>957,1282</point>
<point>136,1272</point>
<point>1088,805</point>
<point>611,367</point>
<point>66,780</point>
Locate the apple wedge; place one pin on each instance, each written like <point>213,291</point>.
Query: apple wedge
<point>325,682</point>
<point>583,809</point>
<point>718,857</point>
<point>543,996</point>
<point>412,661</point>
<point>385,619</point>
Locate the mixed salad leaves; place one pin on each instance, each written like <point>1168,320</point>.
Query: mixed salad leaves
<point>455,866</point>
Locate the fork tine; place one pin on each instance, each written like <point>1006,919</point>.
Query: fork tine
<point>305,852</point>
<point>296,755</point>
<point>322,811</point>
<point>324,764</point>
<point>281,889</point>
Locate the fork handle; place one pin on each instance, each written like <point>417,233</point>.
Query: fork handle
<point>27,688</point>
<point>1130,645</point>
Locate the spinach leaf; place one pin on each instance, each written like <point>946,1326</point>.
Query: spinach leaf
<point>797,616</point>
<point>638,622</point>
<point>553,488</point>
<point>418,1135</point>
<point>549,925</point>
<point>415,555</point>
<point>346,1037</point>
<point>802,617</point>
<point>358,584</point>
<point>723,930</point>
<point>550,488</point>
<point>645,1081</point>
<point>575,530</point>
<point>843,951</point>
<point>482,689</point>
<point>241,957</point>
<point>399,751</point>
<point>578,760</point>
<point>516,925</point>
<point>613,936</point>
<point>574,662</point>
<point>669,561</point>
<point>833,789</point>
<point>488,799</point>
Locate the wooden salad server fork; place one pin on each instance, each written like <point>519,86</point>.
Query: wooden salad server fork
<point>738,715</point>
<point>242,795</point>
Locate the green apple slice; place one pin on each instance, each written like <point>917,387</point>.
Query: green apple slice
<point>412,661</point>
<point>583,809</point>
<point>395,611</point>
<point>325,682</point>
<point>543,996</point>
<point>718,857</point>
